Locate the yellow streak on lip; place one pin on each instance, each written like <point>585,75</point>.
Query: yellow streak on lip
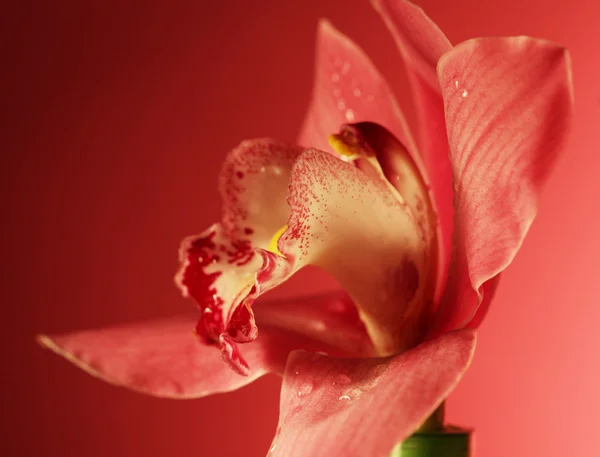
<point>273,243</point>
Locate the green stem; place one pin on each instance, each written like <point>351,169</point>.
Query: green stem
<point>435,439</point>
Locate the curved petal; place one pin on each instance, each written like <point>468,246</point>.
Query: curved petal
<point>219,267</point>
<point>324,397</point>
<point>331,319</point>
<point>487,295</point>
<point>348,88</point>
<point>421,44</point>
<point>367,139</point>
<point>164,358</point>
<point>508,106</point>
<point>355,228</point>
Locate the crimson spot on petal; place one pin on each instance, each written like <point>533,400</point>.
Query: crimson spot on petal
<point>200,286</point>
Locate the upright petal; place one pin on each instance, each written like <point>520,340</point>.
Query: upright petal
<point>324,397</point>
<point>421,44</point>
<point>348,88</point>
<point>164,358</point>
<point>508,105</point>
<point>354,227</point>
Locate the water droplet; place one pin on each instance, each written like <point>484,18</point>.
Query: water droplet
<point>305,389</point>
<point>318,326</point>
<point>357,92</point>
<point>341,104</point>
<point>345,68</point>
<point>349,115</point>
<point>456,84</point>
<point>207,310</point>
<point>464,93</point>
<point>263,169</point>
<point>353,393</point>
<point>272,449</point>
<point>297,373</point>
<point>335,77</point>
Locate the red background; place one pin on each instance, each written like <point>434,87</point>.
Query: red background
<point>118,115</point>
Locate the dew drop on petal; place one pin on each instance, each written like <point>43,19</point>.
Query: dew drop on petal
<point>305,389</point>
<point>341,104</point>
<point>345,397</point>
<point>464,93</point>
<point>335,77</point>
<point>357,92</point>
<point>349,115</point>
<point>318,326</point>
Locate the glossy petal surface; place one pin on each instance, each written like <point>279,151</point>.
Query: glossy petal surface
<point>385,399</point>
<point>330,319</point>
<point>508,105</point>
<point>164,357</point>
<point>421,44</point>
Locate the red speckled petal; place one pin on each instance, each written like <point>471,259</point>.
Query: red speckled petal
<point>508,105</point>
<point>354,227</point>
<point>387,399</point>
<point>219,267</point>
<point>164,358</point>
<point>348,88</point>
<point>421,44</point>
<point>253,185</point>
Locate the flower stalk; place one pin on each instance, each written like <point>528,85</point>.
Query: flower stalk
<point>435,439</point>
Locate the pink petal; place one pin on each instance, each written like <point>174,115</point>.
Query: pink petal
<point>219,267</point>
<point>508,106</point>
<point>331,319</point>
<point>364,407</point>
<point>348,88</point>
<point>421,44</point>
<point>164,358</point>
<point>358,230</point>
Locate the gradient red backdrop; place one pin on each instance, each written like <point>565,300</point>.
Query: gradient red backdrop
<point>118,115</point>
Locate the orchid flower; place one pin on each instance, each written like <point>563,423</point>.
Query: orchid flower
<point>416,234</point>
